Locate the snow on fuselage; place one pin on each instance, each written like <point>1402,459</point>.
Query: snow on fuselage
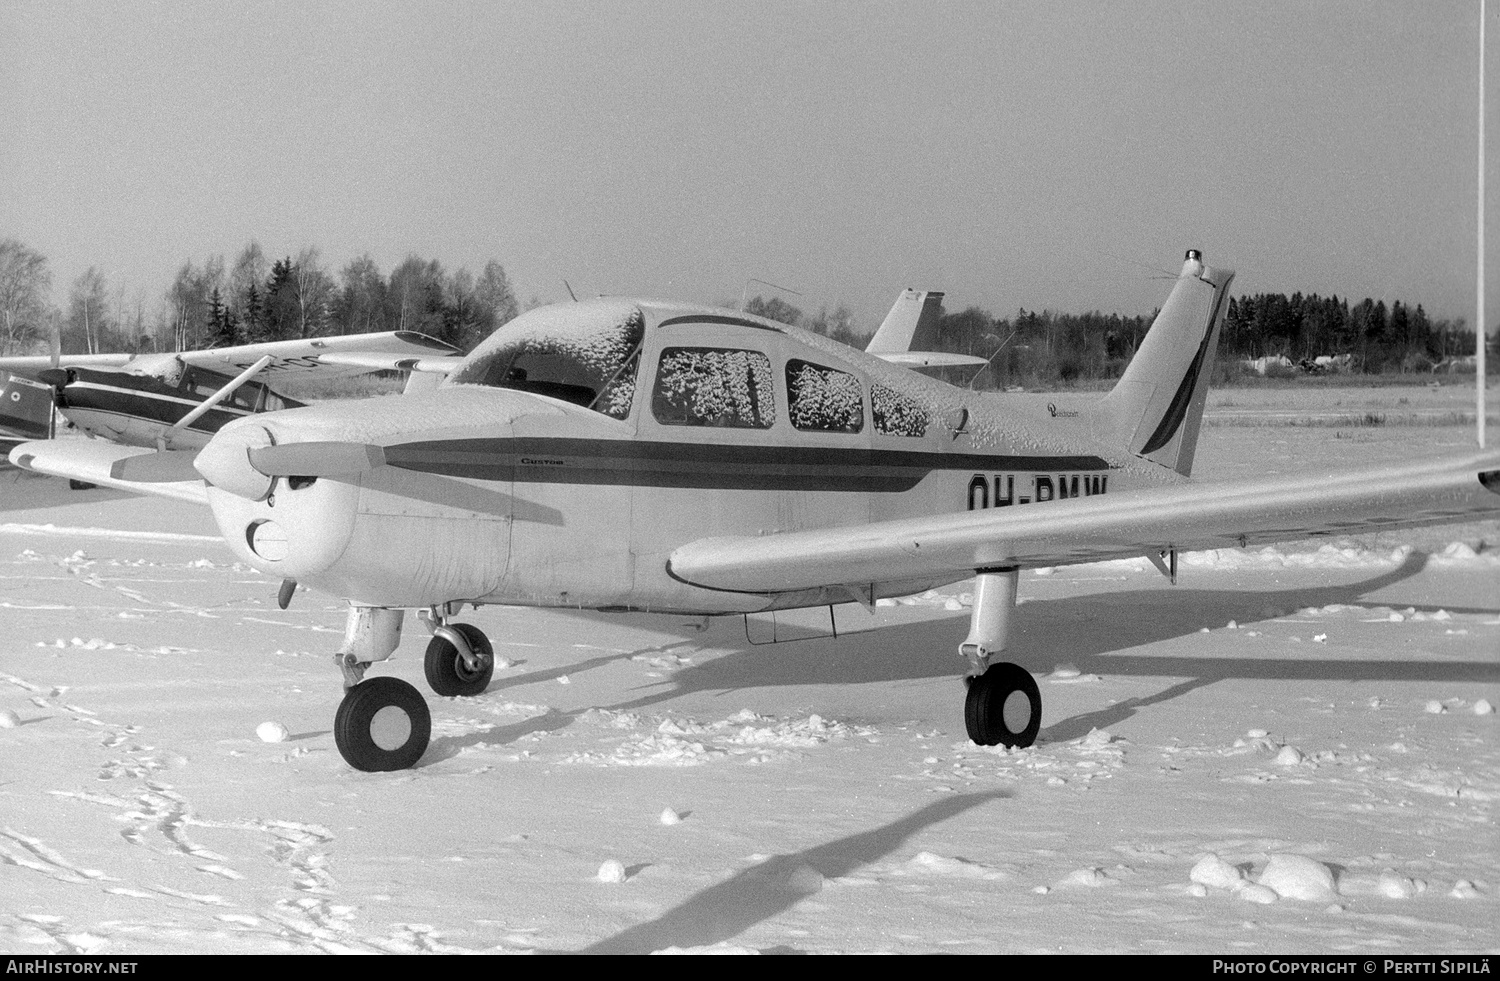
<point>581,444</point>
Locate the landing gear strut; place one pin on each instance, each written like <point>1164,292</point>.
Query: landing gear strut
<point>1003,706</point>
<point>459,660</point>
<point>382,723</point>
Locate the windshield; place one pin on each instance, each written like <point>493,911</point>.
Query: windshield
<point>586,353</point>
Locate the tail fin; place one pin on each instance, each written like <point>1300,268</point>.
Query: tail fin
<point>26,408</point>
<point>1156,408</point>
<point>911,325</point>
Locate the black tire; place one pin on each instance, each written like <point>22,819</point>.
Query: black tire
<point>382,724</point>
<point>445,669</point>
<point>80,485</point>
<point>990,695</point>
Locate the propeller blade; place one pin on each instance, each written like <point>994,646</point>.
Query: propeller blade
<point>317,459</point>
<point>161,467</point>
<point>54,342</point>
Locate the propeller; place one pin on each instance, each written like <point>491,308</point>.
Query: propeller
<point>161,467</point>
<point>317,459</point>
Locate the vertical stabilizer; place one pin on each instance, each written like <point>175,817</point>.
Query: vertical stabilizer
<point>911,325</point>
<point>1156,408</point>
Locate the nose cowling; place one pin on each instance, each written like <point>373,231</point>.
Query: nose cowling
<point>225,461</point>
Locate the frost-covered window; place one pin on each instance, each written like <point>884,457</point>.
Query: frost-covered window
<point>824,399</point>
<point>588,356</point>
<point>702,386</point>
<point>896,414</point>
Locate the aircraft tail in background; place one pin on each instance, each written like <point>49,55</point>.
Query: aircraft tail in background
<point>911,325</point>
<point>1156,408</point>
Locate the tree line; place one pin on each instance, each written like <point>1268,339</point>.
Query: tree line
<point>216,304</point>
<point>255,298</point>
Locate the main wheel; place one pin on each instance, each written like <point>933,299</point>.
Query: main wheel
<point>382,724</point>
<point>1003,707</point>
<point>445,670</point>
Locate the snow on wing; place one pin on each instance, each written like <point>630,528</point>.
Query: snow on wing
<point>1090,529</point>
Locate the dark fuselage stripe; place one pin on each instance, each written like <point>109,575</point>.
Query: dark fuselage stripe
<point>144,405</point>
<point>706,466</point>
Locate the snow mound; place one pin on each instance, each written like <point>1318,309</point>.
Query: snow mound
<point>722,948</point>
<point>9,719</point>
<point>670,817</point>
<point>1214,872</point>
<point>961,868</point>
<point>611,871</point>
<point>1091,878</point>
<point>1483,707</point>
<point>1298,877</point>
<point>272,732</point>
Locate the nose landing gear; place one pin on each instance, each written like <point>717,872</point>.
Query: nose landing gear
<point>382,724</point>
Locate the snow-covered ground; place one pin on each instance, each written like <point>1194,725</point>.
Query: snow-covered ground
<point>1290,751</point>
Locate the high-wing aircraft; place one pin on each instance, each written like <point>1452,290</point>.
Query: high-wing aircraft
<point>624,454</point>
<point>179,400</point>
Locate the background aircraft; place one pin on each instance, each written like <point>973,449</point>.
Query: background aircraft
<point>621,454</point>
<point>25,411</point>
<point>179,400</point>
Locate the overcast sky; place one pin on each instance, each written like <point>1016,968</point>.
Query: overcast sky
<point>1028,154</point>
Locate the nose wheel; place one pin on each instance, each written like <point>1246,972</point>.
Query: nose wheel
<point>382,724</point>
<point>459,660</point>
<point>1003,707</point>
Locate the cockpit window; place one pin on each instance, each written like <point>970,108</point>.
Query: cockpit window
<point>703,386</point>
<point>589,358</point>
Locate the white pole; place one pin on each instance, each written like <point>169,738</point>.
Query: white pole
<point>1480,336</point>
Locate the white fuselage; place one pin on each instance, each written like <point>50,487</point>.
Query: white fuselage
<point>497,495</point>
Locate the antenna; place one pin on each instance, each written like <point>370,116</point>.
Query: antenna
<point>570,291</point>
<point>745,293</point>
<point>1481,337</point>
<point>992,357</point>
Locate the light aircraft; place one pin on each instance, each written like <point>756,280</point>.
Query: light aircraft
<point>179,400</point>
<point>625,454</point>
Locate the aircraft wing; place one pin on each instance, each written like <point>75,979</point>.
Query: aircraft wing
<point>164,474</point>
<point>394,362</point>
<point>320,355</point>
<point>1090,529</point>
<point>28,365</point>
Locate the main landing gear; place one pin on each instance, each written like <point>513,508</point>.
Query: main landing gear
<point>1003,706</point>
<point>383,723</point>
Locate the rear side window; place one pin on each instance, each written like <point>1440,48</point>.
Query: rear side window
<point>824,399</point>
<point>896,414</point>
<point>702,386</point>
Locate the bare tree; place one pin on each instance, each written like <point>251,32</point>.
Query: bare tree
<point>87,308</point>
<point>314,290</point>
<point>25,282</point>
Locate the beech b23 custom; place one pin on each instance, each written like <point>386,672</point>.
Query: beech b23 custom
<point>179,400</point>
<point>621,454</point>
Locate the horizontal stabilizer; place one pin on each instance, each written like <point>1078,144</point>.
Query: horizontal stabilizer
<point>928,359</point>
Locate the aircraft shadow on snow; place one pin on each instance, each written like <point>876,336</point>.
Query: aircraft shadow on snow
<point>754,895</point>
<point>1095,633</point>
